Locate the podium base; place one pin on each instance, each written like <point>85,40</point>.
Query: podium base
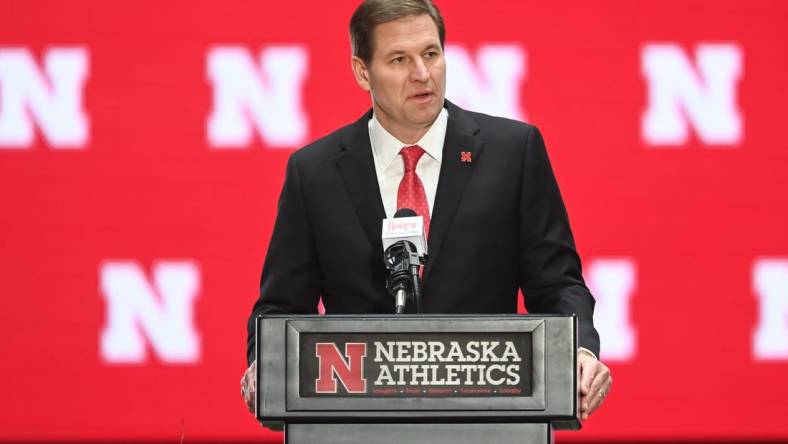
<point>503,433</point>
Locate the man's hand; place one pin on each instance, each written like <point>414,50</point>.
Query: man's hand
<point>249,386</point>
<point>594,380</point>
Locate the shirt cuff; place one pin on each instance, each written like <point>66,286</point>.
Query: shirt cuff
<point>583,349</point>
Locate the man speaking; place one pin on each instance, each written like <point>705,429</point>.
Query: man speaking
<point>492,210</point>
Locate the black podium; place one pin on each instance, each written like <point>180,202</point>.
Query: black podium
<point>420,378</point>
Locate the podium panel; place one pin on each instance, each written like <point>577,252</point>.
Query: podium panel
<point>351,378</point>
<point>418,433</point>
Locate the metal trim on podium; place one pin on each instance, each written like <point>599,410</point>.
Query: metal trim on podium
<point>441,378</point>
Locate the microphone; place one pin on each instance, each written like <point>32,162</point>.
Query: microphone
<point>405,249</point>
<point>405,212</point>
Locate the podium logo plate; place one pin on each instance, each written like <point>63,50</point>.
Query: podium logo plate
<point>415,364</point>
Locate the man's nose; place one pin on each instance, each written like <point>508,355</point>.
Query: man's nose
<point>419,72</point>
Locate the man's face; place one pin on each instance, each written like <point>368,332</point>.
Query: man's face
<point>406,76</point>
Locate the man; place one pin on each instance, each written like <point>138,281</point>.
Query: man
<point>484,185</point>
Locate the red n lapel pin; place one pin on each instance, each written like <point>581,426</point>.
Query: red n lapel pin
<point>465,156</point>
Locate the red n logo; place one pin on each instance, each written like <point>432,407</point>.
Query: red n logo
<point>350,372</point>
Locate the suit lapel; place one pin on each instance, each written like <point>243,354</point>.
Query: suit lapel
<point>461,151</point>
<point>357,168</point>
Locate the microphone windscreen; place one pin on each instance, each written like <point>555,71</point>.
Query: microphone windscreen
<point>405,212</point>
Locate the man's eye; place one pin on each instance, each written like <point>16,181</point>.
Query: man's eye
<point>431,54</point>
<point>398,60</point>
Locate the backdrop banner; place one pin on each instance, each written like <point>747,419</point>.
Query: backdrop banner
<point>143,147</point>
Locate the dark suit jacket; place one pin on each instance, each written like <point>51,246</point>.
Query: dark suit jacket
<point>498,224</point>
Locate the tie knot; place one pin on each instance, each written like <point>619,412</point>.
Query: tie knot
<point>410,156</point>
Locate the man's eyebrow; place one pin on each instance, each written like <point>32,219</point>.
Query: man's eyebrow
<point>398,51</point>
<point>394,52</point>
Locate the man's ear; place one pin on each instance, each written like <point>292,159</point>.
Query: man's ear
<point>361,72</point>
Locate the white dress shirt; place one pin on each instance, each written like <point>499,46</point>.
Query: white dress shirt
<point>390,168</point>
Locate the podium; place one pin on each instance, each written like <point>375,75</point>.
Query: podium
<point>417,378</point>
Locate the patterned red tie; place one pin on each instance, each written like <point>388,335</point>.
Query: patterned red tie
<point>411,191</point>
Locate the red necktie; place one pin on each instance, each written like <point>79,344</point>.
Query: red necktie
<point>411,191</point>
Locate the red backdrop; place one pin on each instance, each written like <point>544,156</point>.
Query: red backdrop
<point>692,220</point>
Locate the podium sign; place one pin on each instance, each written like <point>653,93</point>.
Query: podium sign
<point>372,374</point>
<point>415,364</point>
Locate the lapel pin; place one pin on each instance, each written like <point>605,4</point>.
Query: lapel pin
<point>465,156</point>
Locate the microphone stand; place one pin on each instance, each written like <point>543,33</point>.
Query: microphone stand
<point>414,275</point>
<point>414,262</point>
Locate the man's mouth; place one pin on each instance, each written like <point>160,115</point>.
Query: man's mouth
<point>422,96</point>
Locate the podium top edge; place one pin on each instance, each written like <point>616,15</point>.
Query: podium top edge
<point>529,316</point>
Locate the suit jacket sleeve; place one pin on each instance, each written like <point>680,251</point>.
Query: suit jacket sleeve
<point>550,272</point>
<point>290,281</point>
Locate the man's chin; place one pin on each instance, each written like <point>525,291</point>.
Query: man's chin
<point>426,115</point>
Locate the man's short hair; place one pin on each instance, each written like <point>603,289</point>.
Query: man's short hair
<point>372,13</point>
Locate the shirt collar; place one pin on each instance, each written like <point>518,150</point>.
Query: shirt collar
<point>386,147</point>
